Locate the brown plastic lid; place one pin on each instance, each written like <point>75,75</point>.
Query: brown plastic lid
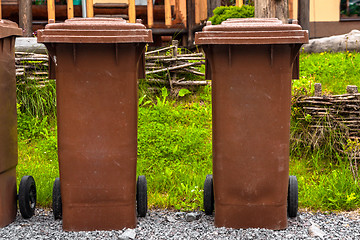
<point>252,31</point>
<point>94,30</point>
<point>254,20</point>
<point>9,28</point>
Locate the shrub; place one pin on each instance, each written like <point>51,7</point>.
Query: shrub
<point>224,12</point>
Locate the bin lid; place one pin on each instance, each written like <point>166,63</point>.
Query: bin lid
<point>94,30</point>
<point>252,31</point>
<point>9,28</point>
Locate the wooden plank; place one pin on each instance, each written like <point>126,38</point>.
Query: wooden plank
<point>132,11</point>
<point>197,11</point>
<point>204,10</point>
<point>70,9</point>
<point>177,9</point>
<point>51,11</point>
<point>167,13</point>
<point>150,13</point>
<point>239,3</point>
<point>89,8</point>
<point>291,9</point>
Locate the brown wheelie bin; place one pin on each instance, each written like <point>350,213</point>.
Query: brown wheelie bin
<point>8,134</point>
<point>96,82</point>
<point>251,67</point>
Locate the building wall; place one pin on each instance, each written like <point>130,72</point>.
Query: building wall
<point>320,10</point>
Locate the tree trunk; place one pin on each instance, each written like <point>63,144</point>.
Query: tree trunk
<point>272,9</point>
<point>25,17</point>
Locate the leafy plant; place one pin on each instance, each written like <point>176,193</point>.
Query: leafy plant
<point>184,92</point>
<point>225,12</point>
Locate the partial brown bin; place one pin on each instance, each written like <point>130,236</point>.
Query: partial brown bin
<point>251,63</point>
<point>8,133</point>
<point>96,83</point>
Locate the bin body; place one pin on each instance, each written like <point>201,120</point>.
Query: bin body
<point>97,120</point>
<point>8,122</point>
<point>251,68</point>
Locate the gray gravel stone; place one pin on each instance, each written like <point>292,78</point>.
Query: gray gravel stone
<point>192,216</point>
<point>129,234</point>
<point>156,225</point>
<point>315,231</point>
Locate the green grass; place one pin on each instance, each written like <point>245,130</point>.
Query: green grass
<point>175,148</point>
<point>174,152</point>
<point>39,159</point>
<point>324,185</point>
<point>333,70</point>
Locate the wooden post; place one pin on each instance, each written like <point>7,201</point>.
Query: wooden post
<point>271,9</point>
<point>89,8</point>
<point>51,11</point>
<point>132,11</point>
<point>239,3</point>
<point>0,10</point>
<point>203,10</point>
<point>303,14</point>
<point>25,17</point>
<point>190,21</point>
<point>177,9</point>
<point>197,11</point>
<point>291,9</point>
<point>70,9</point>
<point>167,13</point>
<point>150,13</point>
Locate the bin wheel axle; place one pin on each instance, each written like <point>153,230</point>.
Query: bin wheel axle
<point>27,196</point>
<point>292,200</point>
<point>56,200</point>
<point>141,196</point>
<point>209,195</point>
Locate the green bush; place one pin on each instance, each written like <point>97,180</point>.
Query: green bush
<point>224,12</point>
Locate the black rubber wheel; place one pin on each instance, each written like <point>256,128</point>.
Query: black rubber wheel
<point>208,195</point>
<point>56,200</point>
<point>141,196</point>
<point>292,197</point>
<point>27,196</point>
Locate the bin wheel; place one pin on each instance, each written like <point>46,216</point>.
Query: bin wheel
<point>56,200</point>
<point>141,196</point>
<point>27,196</point>
<point>208,195</point>
<point>292,199</point>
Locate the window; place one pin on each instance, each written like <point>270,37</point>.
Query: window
<point>350,9</point>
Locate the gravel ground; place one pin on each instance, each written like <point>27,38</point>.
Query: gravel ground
<point>162,224</point>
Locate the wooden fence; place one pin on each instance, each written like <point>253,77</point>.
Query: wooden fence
<point>340,109</point>
<point>166,60</point>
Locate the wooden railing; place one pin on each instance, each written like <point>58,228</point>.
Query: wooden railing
<point>200,11</point>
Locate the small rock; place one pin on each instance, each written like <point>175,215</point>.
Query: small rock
<point>179,215</point>
<point>189,217</point>
<point>314,231</point>
<point>129,234</point>
<point>170,219</point>
<point>307,223</point>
